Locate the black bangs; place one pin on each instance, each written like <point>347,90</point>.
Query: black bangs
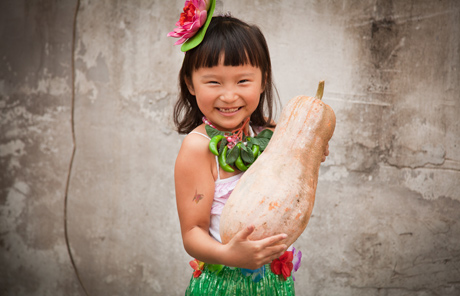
<point>235,41</point>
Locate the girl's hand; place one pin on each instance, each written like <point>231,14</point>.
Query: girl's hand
<point>252,254</point>
<point>326,153</point>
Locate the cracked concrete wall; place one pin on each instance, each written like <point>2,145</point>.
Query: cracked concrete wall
<point>386,218</point>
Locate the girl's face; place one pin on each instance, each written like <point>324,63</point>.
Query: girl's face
<point>227,95</point>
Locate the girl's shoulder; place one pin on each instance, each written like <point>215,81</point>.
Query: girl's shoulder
<point>199,131</point>
<point>194,155</point>
<point>196,145</point>
<point>197,139</point>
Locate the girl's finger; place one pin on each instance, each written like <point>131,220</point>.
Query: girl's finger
<point>244,233</point>
<point>274,256</point>
<point>275,252</point>
<point>272,240</point>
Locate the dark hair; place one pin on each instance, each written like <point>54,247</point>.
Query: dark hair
<point>240,44</point>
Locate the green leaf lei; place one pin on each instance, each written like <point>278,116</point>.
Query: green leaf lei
<point>236,149</point>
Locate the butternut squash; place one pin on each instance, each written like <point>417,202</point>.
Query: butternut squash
<point>277,193</point>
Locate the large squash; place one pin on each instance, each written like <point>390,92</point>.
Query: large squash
<point>276,194</point>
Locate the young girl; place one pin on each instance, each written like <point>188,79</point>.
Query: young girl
<point>225,83</point>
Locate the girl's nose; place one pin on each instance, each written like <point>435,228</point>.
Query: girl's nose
<point>229,97</point>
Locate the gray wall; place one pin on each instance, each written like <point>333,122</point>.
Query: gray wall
<point>386,218</point>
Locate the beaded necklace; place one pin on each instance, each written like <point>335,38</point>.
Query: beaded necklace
<point>235,148</point>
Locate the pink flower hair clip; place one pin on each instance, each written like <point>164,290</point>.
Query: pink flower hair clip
<point>193,23</point>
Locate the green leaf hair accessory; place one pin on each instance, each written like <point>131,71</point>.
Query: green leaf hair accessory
<point>193,23</point>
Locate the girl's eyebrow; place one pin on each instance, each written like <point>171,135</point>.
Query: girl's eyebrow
<point>247,74</point>
<point>209,76</point>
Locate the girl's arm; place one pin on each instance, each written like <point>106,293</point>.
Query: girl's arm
<point>194,180</point>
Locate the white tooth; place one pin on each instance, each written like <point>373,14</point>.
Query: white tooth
<point>228,110</point>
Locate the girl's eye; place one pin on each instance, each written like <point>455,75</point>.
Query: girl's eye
<point>243,81</point>
<point>213,82</point>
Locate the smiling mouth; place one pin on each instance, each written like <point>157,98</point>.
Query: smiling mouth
<point>228,110</point>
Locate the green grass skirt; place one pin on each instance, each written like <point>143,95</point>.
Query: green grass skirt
<point>231,282</point>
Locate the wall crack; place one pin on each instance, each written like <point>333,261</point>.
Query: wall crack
<point>74,147</point>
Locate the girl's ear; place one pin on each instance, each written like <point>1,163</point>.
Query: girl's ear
<point>190,86</point>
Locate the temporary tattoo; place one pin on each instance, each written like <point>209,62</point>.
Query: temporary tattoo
<point>197,197</point>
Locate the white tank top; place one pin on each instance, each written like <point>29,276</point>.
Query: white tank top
<point>222,190</point>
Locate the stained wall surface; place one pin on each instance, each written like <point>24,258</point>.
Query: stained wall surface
<point>87,144</point>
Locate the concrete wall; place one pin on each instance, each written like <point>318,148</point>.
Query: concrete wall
<point>386,219</point>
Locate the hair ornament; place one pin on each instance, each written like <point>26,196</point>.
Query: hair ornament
<point>193,23</point>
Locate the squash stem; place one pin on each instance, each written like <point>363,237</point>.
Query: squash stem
<point>320,91</point>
